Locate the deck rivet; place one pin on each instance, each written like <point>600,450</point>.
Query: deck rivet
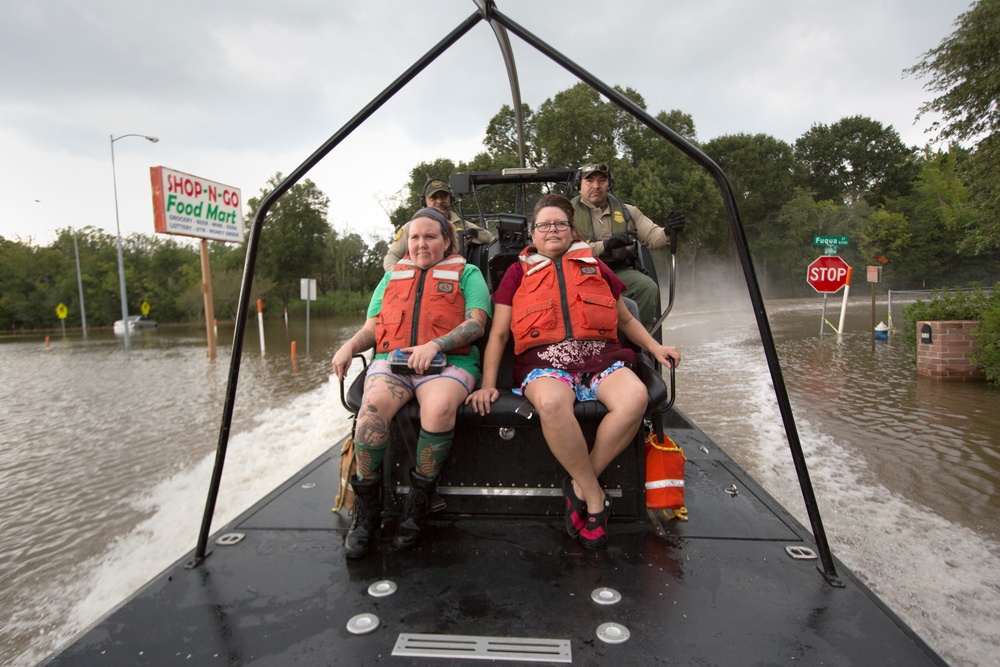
<point>606,596</point>
<point>612,633</point>
<point>381,589</point>
<point>362,624</point>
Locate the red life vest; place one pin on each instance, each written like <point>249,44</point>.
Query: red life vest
<point>419,305</point>
<point>562,299</point>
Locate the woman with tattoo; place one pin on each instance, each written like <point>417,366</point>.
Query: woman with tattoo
<point>431,303</point>
<point>565,310</point>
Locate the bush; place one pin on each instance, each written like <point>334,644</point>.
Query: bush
<point>986,354</point>
<point>957,304</point>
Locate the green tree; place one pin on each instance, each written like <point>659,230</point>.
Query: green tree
<point>575,125</point>
<point>965,71</point>
<point>293,240</point>
<point>965,74</point>
<point>856,158</point>
<point>501,140</point>
<point>761,170</point>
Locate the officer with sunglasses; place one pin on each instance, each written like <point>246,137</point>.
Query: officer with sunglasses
<point>611,227</point>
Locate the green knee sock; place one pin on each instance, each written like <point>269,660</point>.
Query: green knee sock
<point>368,460</point>
<point>432,450</point>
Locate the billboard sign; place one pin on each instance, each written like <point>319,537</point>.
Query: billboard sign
<point>193,206</point>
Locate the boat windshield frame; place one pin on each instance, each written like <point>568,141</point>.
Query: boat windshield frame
<point>500,23</point>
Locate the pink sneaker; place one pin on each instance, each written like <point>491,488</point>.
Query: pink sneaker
<point>595,533</point>
<point>576,509</point>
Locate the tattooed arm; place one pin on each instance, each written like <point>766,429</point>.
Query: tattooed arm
<point>364,339</point>
<point>464,334</point>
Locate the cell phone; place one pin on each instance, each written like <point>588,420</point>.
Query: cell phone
<point>398,360</point>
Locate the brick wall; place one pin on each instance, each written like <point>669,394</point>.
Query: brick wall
<point>946,357</point>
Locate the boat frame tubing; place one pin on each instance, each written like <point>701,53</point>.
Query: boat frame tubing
<point>488,12</point>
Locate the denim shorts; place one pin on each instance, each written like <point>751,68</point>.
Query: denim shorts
<point>584,385</point>
<point>464,377</point>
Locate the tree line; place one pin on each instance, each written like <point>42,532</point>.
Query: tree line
<point>928,214</point>
<point>297,242</point>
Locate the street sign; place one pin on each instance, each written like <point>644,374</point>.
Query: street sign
<point>831,241</point>
<point>307,289</point>
<point>828,274</point>
<point>62,311</point>
<point>144,308</point>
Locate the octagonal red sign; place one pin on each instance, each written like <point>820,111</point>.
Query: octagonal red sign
<point>828,274</point>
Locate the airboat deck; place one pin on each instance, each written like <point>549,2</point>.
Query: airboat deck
<point>733,585</point>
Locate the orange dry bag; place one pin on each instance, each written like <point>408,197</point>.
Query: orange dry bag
<point>664,474</point>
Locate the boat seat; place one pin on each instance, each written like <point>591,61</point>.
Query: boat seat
<point>513,410</point>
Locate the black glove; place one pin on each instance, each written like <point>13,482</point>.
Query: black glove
<point>471,235</point>
<point>675,222</point>
<point>619,240</point>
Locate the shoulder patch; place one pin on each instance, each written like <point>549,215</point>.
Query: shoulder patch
<point>399,234</point>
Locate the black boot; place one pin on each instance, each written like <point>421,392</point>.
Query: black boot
<point>366,516</point>
<point>415,509</point>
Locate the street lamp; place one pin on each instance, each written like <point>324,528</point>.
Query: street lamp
<point>121,257</point>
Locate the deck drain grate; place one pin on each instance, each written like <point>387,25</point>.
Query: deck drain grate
<point>468,647</point>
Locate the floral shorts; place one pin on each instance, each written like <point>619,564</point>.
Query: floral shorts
<point>584,385</point>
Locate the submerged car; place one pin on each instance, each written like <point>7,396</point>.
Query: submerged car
<point>135,323</point>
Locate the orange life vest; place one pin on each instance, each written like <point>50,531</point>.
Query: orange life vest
<point>562,299</point>
<point>419,305</point>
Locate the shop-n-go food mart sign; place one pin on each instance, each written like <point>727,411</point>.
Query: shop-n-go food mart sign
<point>194,206</point>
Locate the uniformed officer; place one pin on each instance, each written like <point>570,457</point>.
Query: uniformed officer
<point>438,195</point>
<point>609,225</point>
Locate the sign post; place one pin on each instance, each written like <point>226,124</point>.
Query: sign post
<point>307,292</point>
<point>193,206</point>
<point>828,274</point>
<point>61,313</point>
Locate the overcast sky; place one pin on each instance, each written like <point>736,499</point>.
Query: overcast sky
<point>237,91</point>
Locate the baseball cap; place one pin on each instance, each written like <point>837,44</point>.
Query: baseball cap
<point>593,168</point>
<point>436,185</point>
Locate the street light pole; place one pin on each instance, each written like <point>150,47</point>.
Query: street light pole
<point>121,257</point>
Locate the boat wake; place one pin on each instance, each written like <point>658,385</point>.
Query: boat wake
<point>281,442</point>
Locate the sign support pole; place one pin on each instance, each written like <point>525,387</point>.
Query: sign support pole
<point>843,305</point>
<point>822,318</point>
<point>206,290</point>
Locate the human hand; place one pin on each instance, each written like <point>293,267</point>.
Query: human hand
<point>619,240</point>
<point>470,235</point>
<point>421,356</point>
<point>342,361</point>
<point>667,354</point>
<point>482,399</point>
<point>675,221</point>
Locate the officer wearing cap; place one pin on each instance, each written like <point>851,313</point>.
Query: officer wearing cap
<point>437,194</point>
<point>609,225</point>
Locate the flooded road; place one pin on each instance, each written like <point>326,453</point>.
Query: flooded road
<point>105,459</point>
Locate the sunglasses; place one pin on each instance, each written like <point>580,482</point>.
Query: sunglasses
<point>595,167</point>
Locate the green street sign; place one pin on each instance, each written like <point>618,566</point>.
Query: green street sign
<point>830,241</point>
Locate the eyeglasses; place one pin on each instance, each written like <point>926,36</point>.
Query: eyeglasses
<point>559,226</point>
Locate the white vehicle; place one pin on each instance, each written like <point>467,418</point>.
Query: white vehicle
<point>135,323</point>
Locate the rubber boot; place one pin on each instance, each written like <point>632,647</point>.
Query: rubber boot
<point>366,516</point>
<point>415,510</point>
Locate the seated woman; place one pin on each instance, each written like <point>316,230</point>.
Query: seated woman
<point>565,310</point>
<point>431,302</point>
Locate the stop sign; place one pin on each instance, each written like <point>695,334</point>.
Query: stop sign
<point>828,274</point>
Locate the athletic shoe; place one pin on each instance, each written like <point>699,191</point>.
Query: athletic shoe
<point>576,509</point>
<point>595,533</point>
